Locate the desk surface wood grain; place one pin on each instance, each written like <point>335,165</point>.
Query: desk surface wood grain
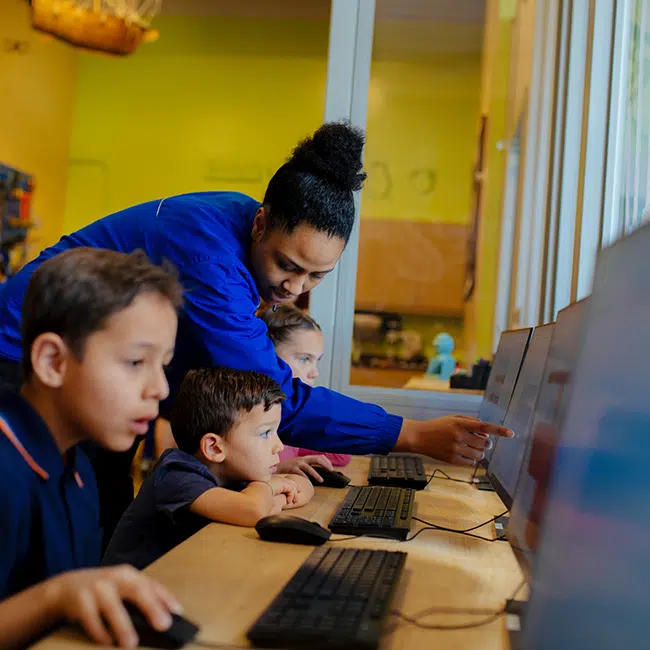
<point>226,576</point>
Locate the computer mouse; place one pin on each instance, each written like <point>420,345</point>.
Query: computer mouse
<point>292,530</point>
<point>330,479</point>
<point>181,631</point>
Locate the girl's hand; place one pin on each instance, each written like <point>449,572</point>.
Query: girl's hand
<point>302,465</point>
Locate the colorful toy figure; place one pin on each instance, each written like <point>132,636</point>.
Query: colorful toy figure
<point>443,364</point>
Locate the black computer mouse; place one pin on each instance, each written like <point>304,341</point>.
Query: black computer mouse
<point>292,530</point>
<point>181,631</point>
<point>330,479</point>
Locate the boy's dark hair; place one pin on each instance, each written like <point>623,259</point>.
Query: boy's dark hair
<point>75,292</point>
<point>285,320</point>
<point>315,186</point>
<point>210,400</point>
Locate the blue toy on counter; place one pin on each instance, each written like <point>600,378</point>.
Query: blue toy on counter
<point>442,366</point>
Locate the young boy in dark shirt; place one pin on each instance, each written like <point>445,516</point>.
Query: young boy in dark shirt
<point>225,423</point>
<point>98,329</point>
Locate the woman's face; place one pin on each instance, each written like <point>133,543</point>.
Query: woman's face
<point>287,264</point>
<point>302,351</point>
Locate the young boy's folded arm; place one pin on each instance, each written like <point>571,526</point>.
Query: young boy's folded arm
<point>243,508</point>
<point>305,491</point>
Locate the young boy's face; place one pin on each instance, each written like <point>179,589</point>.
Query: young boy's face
<point>112,394</point>
<point>252,446</point>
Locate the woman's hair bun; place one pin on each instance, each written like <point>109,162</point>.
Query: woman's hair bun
<point>333,153</point>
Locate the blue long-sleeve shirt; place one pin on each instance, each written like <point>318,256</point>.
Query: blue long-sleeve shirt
<point>207,237</point>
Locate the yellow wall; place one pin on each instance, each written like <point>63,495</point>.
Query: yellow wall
<point>421,138</point>
<point>36,106</point>
<point>214,104</point>
<point>217,103</point>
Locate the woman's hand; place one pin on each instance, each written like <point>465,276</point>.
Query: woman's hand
<point>456,439</point>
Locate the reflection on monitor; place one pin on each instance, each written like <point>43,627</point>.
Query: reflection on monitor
<point>592,578</point>
<point>503,376</point>
<point>508,455</point>
<point>530,494</point>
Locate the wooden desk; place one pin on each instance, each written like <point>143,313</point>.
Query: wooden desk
<point>226,576</point>
<point>422,382</point>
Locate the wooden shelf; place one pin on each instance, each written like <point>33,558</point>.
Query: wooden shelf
<point>411,267</point>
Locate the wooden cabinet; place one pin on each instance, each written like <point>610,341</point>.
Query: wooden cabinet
<point>411,267</point>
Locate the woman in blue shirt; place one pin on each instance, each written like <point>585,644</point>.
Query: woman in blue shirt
<point>230,251</point>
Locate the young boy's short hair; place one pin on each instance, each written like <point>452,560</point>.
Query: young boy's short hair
<point>210,400</point>
<point>75,292</point>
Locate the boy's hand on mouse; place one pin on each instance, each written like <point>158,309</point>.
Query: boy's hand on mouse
<point>302,465</point>
<point>93,598</point>
<point>284,485</point>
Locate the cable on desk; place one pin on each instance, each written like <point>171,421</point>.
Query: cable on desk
<point>349,537</point>
<point>429,526</point>
<point>220,646</point>
<point>485,539</point>
<point>459,530</point>
<point>446,476</point>
<point>491,616</point>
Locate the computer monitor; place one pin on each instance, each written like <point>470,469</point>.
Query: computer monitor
<point>503,376</point>
<point>508,455</point>
<point>530,493</point>
<point>591,588</point>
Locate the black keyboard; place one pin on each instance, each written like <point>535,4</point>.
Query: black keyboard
<point>397,471</point>
<point>375,510</point>
<point>338,598</point>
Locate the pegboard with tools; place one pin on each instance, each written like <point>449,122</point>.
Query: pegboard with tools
<point>16,192</point>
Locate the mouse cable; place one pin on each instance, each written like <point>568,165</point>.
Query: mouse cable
<point>219,646</point>
<point>491,615</point>
<point>429,526</point>
<point>444,475</point>
<point>485,539</point>
<point>386,538</point>
<point>460,530</point>
<point>471,480</point>
<point>349,537</point>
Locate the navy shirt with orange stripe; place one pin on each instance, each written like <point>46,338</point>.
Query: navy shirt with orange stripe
<point>49,509</point>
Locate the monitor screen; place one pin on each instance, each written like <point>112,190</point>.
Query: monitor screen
<point>508,455</point>
<point>530,493</point>
<point>591,588</point>
<point>503,376</point>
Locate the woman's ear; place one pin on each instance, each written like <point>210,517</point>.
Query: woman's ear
<point>259,225</point>
<point>213,448</point>
<point>49,355</point>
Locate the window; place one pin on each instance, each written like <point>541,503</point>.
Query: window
<point>628,187</point>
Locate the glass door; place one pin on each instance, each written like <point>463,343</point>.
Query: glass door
<point>403,278</point>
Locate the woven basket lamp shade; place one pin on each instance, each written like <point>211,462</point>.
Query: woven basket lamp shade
<point>111,26</point>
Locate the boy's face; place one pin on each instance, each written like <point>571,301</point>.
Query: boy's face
<point>252,446</point>
<point>112,394</point>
